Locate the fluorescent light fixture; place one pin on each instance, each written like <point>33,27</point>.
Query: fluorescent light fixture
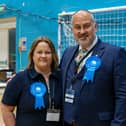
<point>2,7</point>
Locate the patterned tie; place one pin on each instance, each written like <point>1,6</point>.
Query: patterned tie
<point>79,60</point>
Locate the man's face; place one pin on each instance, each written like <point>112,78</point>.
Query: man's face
<point>84,28</point>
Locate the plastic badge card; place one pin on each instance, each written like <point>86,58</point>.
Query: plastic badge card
<point>53,115</point>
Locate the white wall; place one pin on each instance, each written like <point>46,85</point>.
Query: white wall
<point>5,25</point>
<point>4,49</point>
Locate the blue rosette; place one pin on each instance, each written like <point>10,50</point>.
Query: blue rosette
<point>92,64</point>
<point>38,90</point>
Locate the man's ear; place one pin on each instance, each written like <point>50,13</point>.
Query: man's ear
<point>96,26</point>
<point>71,29</point>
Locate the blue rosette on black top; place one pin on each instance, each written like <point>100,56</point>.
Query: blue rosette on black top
<point>92,64</point>
<point>38,90</point>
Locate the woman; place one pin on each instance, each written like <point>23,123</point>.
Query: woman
<point>36,91</point>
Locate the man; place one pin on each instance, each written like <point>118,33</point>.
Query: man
<point>96,94</point>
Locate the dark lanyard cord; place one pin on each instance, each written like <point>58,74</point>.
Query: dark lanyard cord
<point>51,99</point>
<point>85,56</point>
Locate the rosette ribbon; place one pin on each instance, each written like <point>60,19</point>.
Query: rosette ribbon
<point>38,90</point>
<point>92,64</point>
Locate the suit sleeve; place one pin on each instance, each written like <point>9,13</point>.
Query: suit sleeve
<point>120,89</point>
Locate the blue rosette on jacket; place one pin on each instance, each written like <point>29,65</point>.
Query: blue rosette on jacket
<point>92,64</point>
<point>38,90</point>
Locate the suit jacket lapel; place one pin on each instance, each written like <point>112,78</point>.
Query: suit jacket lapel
<point>71,55</point>
<point>99,49</point>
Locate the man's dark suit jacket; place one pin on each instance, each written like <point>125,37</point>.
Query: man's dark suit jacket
<point>103,101</point>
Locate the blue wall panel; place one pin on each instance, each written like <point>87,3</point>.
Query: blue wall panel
<point>35,18</point>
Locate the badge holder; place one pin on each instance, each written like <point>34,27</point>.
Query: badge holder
<point>69,95</point>
<point>53,115</point>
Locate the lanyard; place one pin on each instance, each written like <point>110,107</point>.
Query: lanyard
<point>51,97</point>
<point>75,77</point>
<point>85,56</point>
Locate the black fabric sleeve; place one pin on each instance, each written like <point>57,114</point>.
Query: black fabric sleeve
<point>13,90</point>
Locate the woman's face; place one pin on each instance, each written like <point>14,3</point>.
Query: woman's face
<point>42,56</point>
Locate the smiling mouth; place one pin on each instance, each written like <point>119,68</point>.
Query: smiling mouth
<point>83,38</point>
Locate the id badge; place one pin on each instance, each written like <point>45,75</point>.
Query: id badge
<point>69,95</point>
<point>53,115</point>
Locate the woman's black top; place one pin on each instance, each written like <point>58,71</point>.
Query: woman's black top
<point>17,93</point>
